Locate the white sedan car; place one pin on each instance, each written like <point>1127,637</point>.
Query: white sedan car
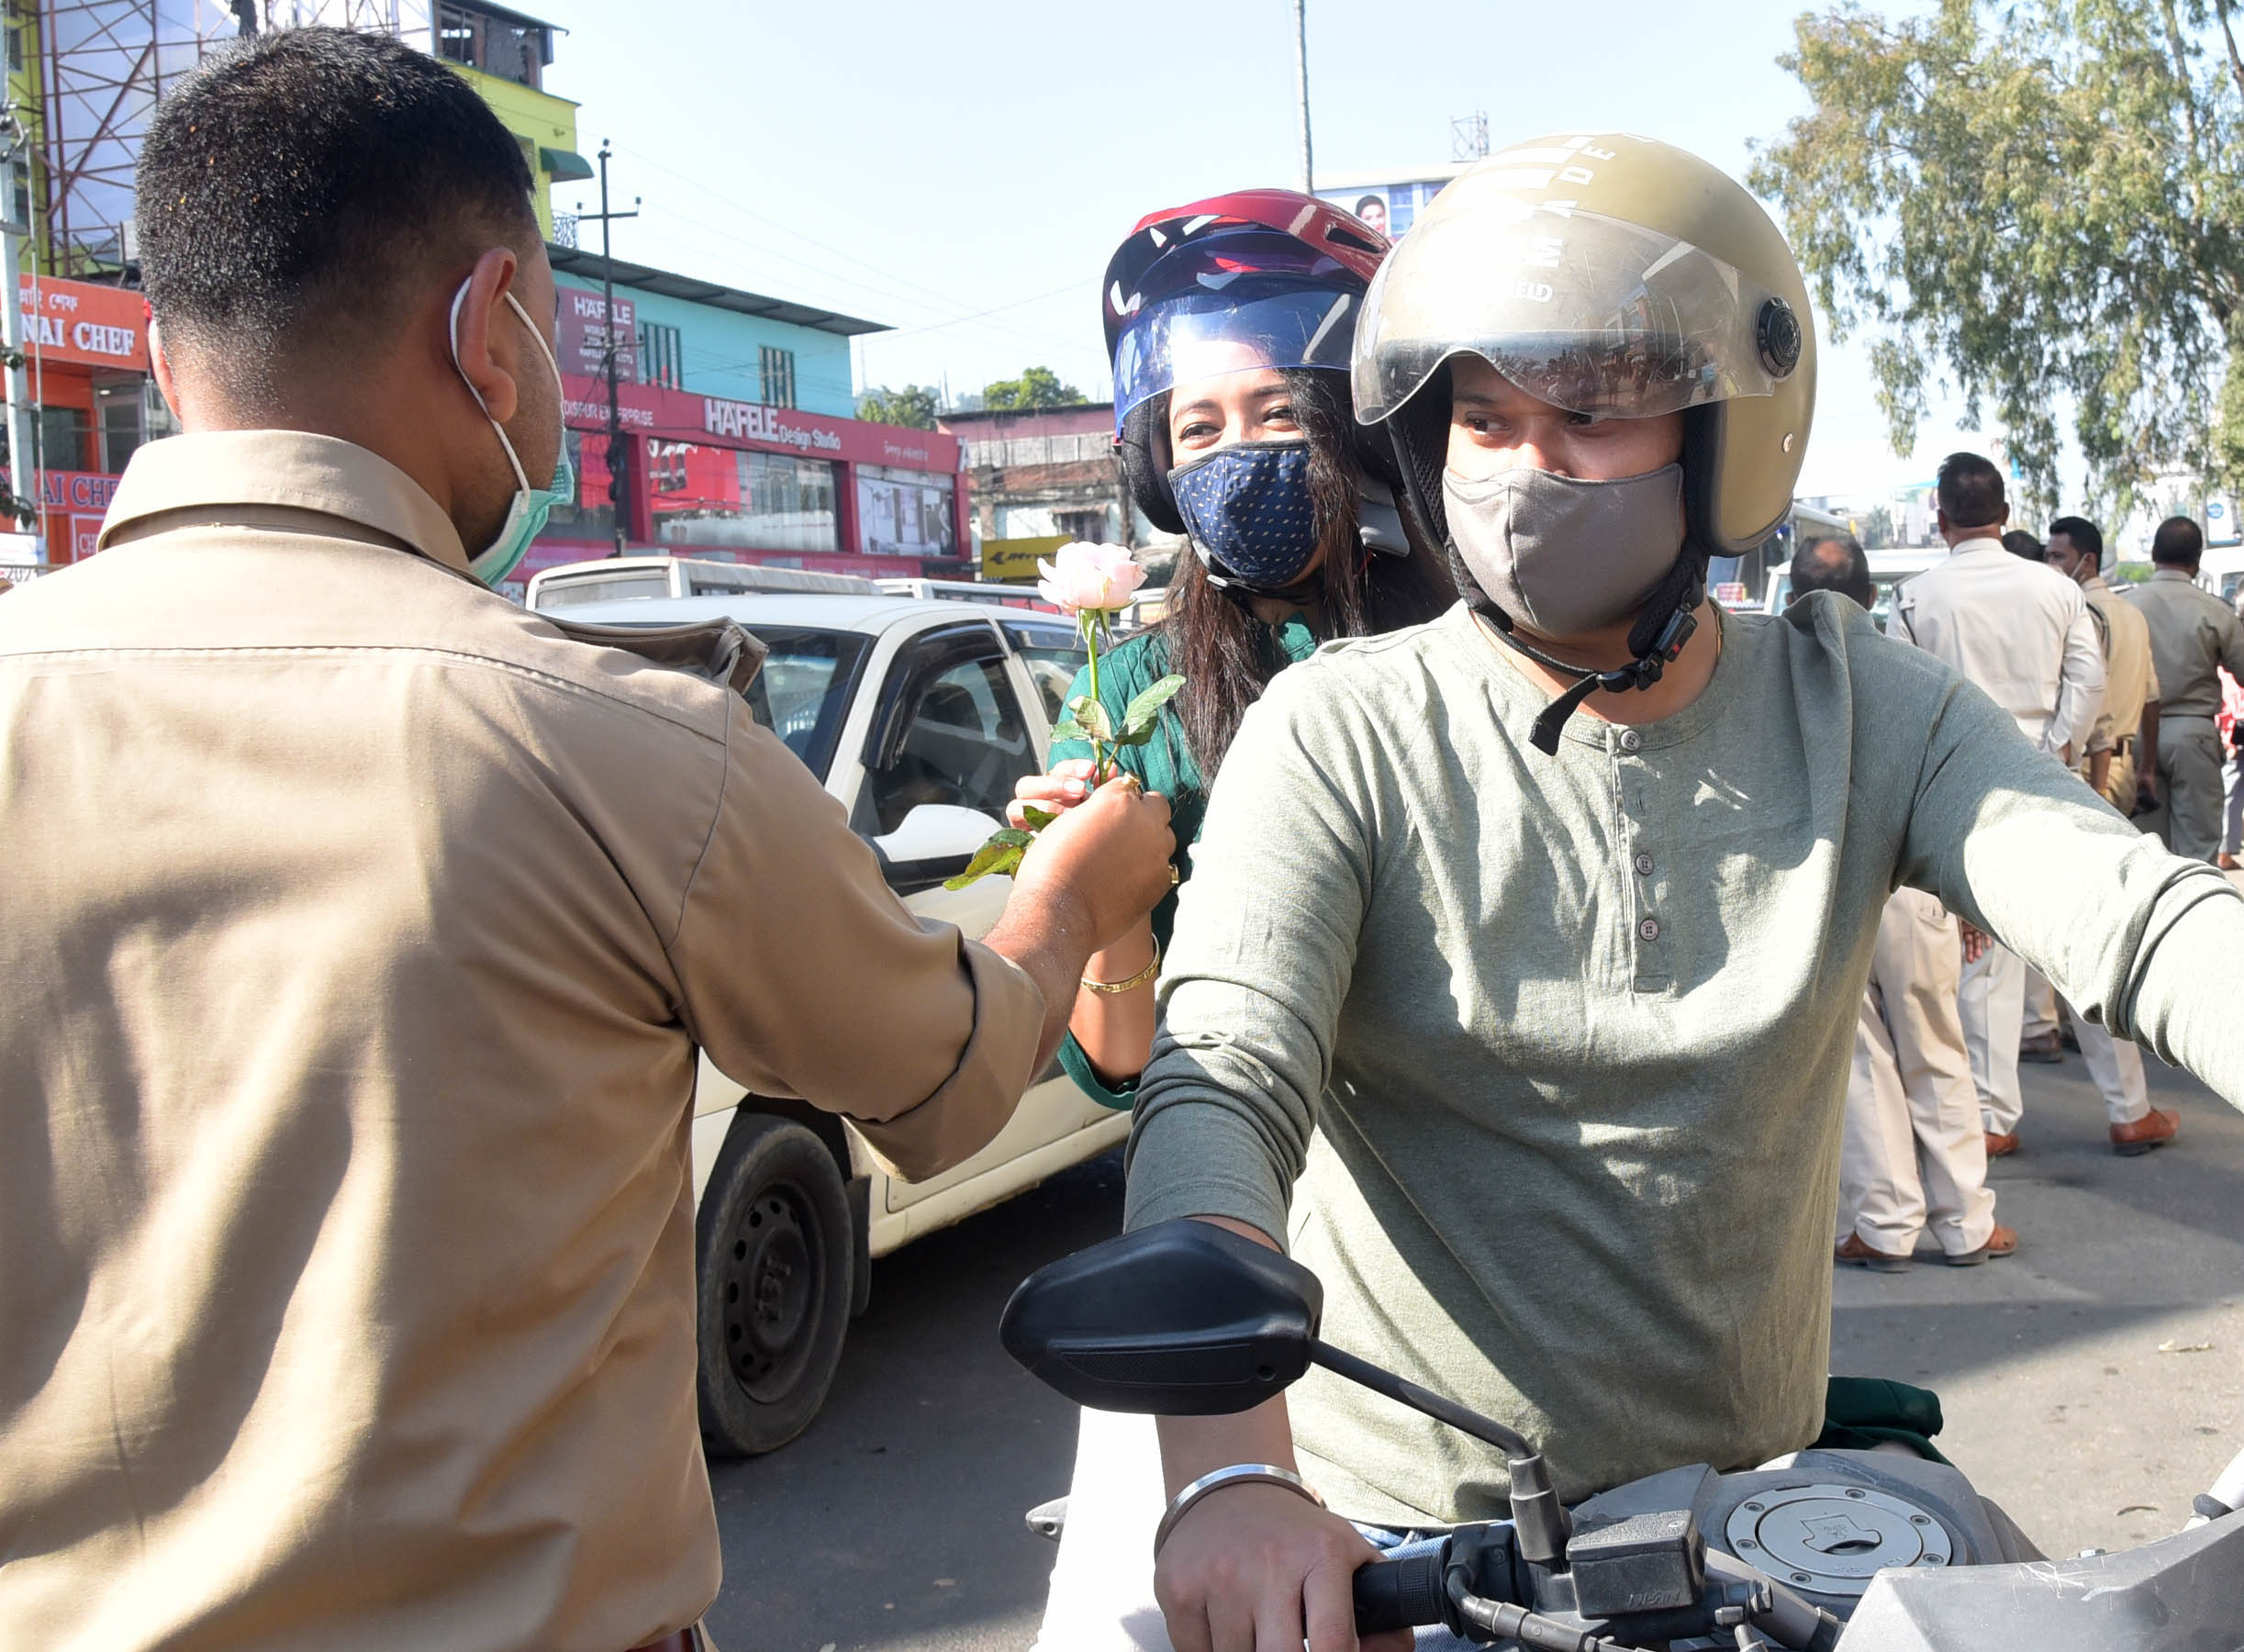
<point>918,716</point>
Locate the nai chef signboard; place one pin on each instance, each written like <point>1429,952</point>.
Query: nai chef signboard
<point>83,324</point>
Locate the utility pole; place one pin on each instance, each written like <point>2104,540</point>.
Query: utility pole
<point>22,509</point>
<point>1300,81</point>
<point>619,455</point>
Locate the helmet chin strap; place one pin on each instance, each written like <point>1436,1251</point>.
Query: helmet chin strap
<point>1640,672</point>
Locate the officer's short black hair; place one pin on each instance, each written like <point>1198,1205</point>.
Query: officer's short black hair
<point>2177,543</point>
<point>1970,490</point>
<point>1834,563</point>
<point>299,190</point>
<point>2086,537</point>
<point>2020,543</point>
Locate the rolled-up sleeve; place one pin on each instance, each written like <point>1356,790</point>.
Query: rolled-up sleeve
<point>802,975</point>
<point>2140,941</point>
<point>1253,985</point>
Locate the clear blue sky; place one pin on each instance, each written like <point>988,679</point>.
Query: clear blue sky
<point>962,170</point>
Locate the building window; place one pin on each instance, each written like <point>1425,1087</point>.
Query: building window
<point>739,500</point>
<point>1090,526</point>
<point>661,355</point>
<point>591,514</point>
<point>117,412</point>
<point>778,377</point>
<point>497,42</point>
<point>62,433</point>
<point>905,512</point>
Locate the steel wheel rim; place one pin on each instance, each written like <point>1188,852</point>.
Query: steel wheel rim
<point>768,1291</point>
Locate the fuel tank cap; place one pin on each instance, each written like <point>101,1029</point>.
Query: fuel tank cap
<point>1832,1539</point>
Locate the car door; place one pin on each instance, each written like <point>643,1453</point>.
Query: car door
<point>950,734</point>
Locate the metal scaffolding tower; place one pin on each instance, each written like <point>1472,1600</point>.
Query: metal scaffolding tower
<point>102,67</point>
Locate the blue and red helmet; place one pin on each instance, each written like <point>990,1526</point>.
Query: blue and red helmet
<point>1258,278</point>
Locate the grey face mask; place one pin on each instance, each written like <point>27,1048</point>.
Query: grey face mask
<point>1563,557</point>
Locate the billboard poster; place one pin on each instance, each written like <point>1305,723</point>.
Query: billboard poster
<point>584,334</point>
<point>904,513</point>
<point>1389,207</point>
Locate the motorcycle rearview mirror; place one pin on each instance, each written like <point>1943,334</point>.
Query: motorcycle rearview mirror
<point>1186,1319</point>
<point>1182,1319</point>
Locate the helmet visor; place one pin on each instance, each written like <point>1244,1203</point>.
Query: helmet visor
<point>1589,313</point>
<point>1253,322</point>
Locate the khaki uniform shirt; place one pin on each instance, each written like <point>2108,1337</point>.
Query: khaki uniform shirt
<point>360,929</point>
<point>2192,632</point>
<point>2018,630</point>
<point>2130,679</point>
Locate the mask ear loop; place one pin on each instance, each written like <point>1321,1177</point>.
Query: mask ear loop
<point>521,481</point>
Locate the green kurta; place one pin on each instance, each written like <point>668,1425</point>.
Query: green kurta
<point>1540,1061</point>
<point>1163,764</point>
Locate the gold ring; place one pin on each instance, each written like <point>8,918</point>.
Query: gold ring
<point>1175,877</point>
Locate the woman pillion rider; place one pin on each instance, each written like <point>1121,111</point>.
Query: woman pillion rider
<point>1533,1042</point>
<point>1229,322</point>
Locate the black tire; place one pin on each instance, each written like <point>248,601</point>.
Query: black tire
<point>776,1259</point>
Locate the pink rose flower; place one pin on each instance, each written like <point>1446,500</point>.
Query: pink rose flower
<point>1081,577</point>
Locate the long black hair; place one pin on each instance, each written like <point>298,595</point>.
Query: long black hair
<point>1227,655</point>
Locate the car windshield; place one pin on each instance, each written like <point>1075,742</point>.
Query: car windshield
<point>802,692</point>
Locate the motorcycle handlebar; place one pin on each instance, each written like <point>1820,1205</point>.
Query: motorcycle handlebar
<point>1400,1594</point>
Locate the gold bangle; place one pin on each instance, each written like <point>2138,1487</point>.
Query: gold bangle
<point>1143,978</point>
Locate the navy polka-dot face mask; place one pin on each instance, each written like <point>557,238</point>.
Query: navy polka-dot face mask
<point>1248,511</point>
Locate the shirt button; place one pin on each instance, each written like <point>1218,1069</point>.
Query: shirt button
<point>1649,929</point>
<point>1630,740</point>
<point>1644,865</point>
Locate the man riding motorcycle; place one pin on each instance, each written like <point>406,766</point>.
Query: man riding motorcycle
<point>1533,1045</point>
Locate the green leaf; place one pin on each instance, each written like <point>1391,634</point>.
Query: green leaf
<point>1038,818</point>
<point>1090,719</point>
<point>1069,729</point>
<point>1146,710</point>
<point>995,858</point>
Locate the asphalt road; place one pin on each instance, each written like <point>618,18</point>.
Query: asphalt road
<point>2092,1385</point>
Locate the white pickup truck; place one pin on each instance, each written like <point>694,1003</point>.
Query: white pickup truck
<point>918,716</point>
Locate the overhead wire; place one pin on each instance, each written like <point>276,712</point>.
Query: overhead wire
<point>894,281</point>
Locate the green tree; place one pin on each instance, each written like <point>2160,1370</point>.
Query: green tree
<point>1877,528</point>
<point>1036,387</point>
<point>914,406</point>
<point>2041,202</point>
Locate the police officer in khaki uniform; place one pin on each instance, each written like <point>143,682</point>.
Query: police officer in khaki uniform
<point>2193,634</point>
<point>2023,634</point>
<point>362,930</point>
<point>2127,726</point>
<point>1913,1156</point>
<point>2126,737</point>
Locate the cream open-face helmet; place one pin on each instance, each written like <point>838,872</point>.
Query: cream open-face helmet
<point>1612,276</point>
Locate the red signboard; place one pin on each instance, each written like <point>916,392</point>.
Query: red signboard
<point>680,416</point>
<point>79,322</point>
<point>75,490</point>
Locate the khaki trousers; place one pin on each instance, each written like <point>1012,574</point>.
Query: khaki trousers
<point>2119,782</point>
<point>2190,761</point>
<point>1992,1001</point>
<point>2116,1066</point>
<point>1913,1156</point>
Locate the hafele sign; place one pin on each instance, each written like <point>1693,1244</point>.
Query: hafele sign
<point>81,322</point>
<point>584,334</point>
<point>753,421</point>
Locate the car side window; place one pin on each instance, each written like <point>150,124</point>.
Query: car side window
<point>1053,655</point>
<point>965,743</point>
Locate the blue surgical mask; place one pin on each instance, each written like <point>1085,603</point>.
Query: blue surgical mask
<point>526,516</point>
<point>1248,511</point>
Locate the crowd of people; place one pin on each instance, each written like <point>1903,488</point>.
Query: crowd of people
<point>2136,694</point>
<point>1497,947</point>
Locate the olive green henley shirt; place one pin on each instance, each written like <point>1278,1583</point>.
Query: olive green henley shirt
<point>1539,1061</point>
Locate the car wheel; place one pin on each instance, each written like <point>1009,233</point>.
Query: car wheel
<point>773,1291</point>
